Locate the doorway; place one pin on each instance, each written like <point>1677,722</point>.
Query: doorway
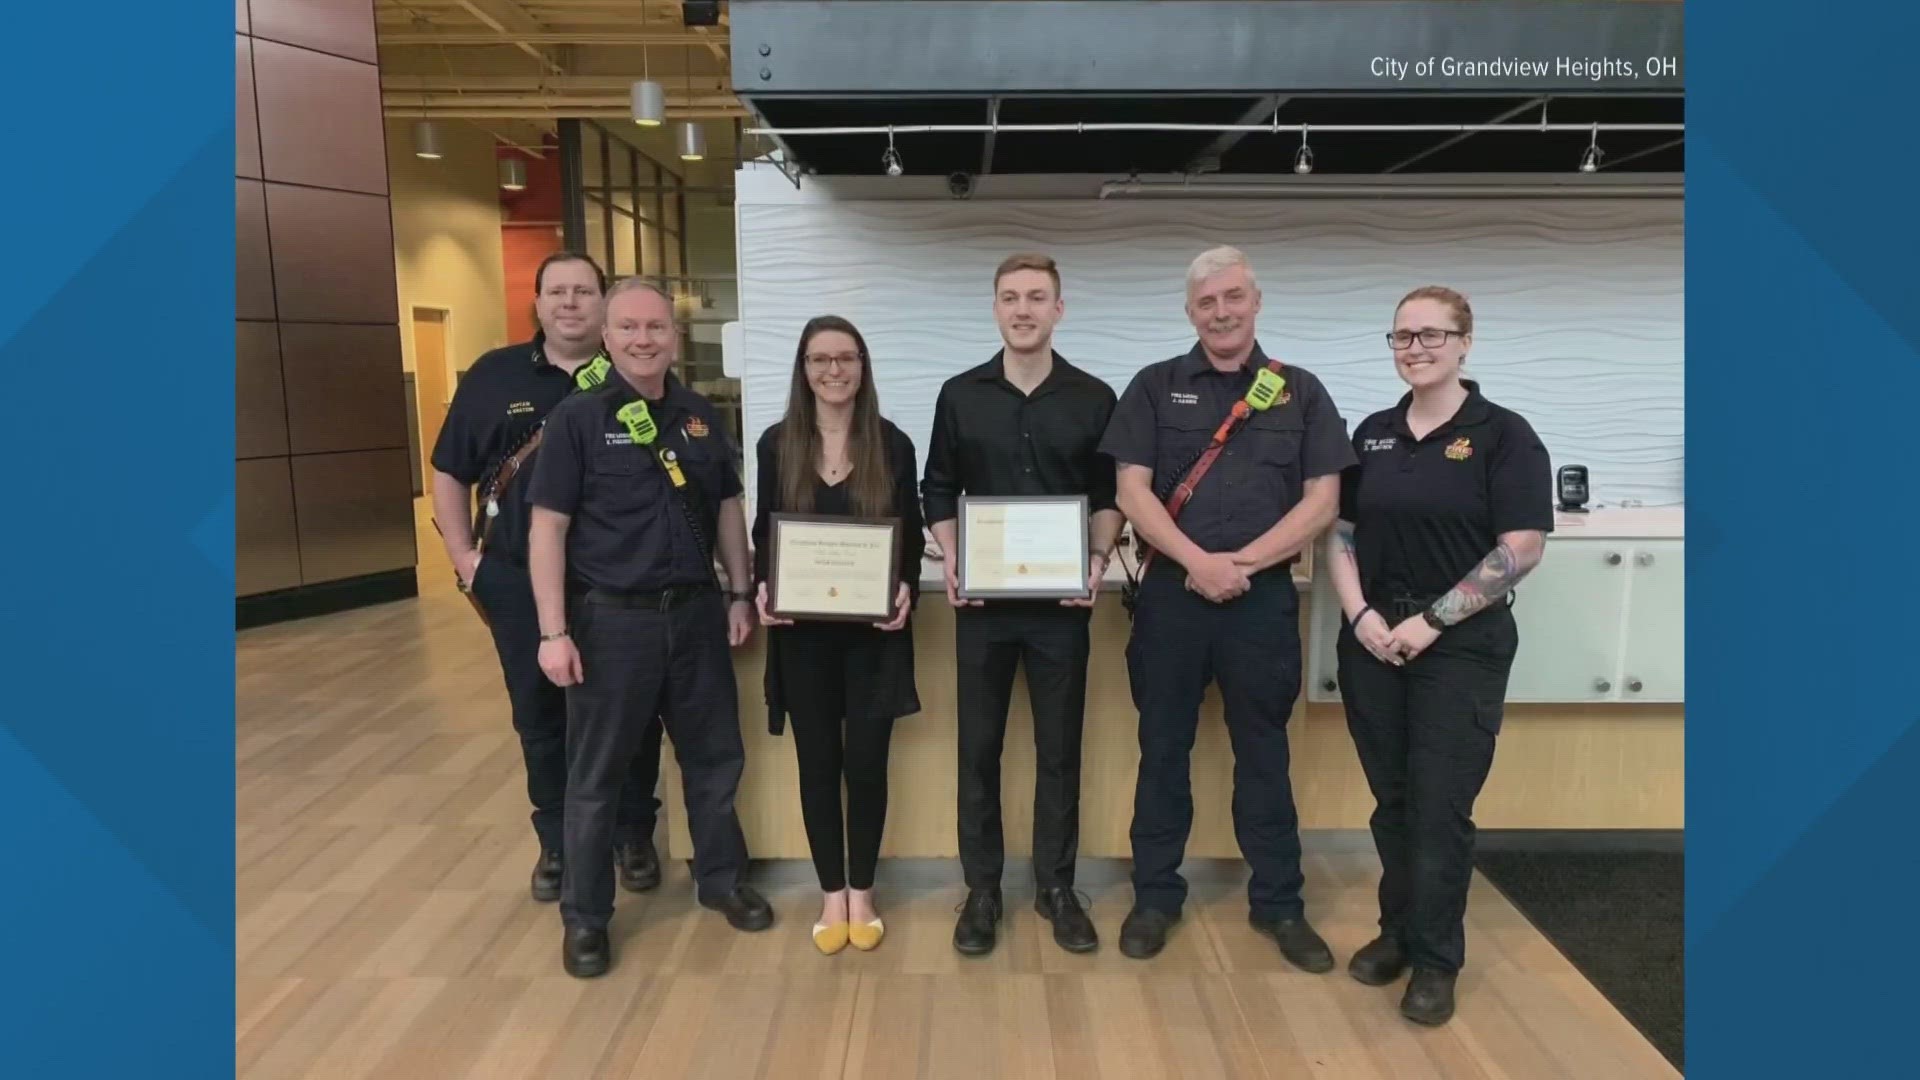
<point>432,389</point>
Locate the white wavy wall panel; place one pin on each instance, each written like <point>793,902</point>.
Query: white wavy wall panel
<point>1578,304</point>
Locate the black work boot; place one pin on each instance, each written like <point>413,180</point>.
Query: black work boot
<point>1379,961</point>
<point>973,935</point>
<point>1429,997</point>
<point>546,876</point>
<point>1144,933</point>
<point>1302,947</point>
<point>585,952</point>
<point>639,866</point>
<point>1072,930</point>
<point>744,908</point>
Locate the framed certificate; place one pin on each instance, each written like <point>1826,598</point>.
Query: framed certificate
<point>832,568</point>
<point>1027,547</point>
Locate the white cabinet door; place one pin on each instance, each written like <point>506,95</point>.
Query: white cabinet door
<point>1570,612</point>
<point>1654,663</point>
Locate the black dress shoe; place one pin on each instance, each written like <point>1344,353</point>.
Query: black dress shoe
<point>744,908</point>
<point>1378,962</point>
<point>585,952</point>
<point>1429,997</point>
<point>639,866</point>
<point>546,876</point>
<point>1072,930</point>
<point>973,935</point>
<point>1144,932</point>
<point>1298,943</point>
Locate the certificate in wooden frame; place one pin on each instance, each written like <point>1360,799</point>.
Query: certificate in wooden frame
<point>833,568</point>
<point>1023,547</point>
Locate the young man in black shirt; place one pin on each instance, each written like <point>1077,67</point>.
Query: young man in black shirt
<point>1024,423</point>
<point>1217,601</point>
<point>500,404</point>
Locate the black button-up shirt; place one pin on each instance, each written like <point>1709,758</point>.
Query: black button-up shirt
<point>501,400</point>
<point>630,531</point>
<point>1426,511</point>
<point>1170,412</point>
<point>991,439</point>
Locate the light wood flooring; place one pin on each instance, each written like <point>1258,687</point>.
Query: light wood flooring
<point>384,929</point>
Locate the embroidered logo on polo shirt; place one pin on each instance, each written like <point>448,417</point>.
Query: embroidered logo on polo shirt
<point>696,427</point>
<point>1460,449</point>
<point>519,408</point>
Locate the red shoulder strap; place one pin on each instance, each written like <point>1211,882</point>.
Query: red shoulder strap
<point>1183,491</point>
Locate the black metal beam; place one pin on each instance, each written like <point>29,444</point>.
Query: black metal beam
<point>1211,155</point>
<point>828,48</point>
<point>573,195</point>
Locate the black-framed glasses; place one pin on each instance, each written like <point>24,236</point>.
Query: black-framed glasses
<point>821,361</point>
<point>1431,337</point>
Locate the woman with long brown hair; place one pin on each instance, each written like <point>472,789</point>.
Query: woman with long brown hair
<point>842,683</point>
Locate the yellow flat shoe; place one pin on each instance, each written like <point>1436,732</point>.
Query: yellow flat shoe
<point>830,939</point>
<point>866,936</point>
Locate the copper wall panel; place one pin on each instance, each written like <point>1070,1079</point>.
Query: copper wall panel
<point>253,260</point>
<point>246,125</point>
<point>344,387</point>
<point>341,27</point>
<point>320,121</point>
<point>332,256</point>
<point>260,404</point>
<point>355,513</point>
<point>266,552</point>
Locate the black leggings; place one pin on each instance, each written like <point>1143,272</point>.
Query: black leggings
<point>830,751</point>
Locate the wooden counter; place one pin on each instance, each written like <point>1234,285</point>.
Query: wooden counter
<point>1561,766</point>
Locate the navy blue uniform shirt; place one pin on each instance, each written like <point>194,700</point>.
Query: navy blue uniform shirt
<point>630,531</point>
<point>500,401</point>
<point>1170,412</point>
<point>1426,511</point>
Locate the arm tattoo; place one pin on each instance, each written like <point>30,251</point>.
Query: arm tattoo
<point>1496,575</point>
<point>1343,532</point>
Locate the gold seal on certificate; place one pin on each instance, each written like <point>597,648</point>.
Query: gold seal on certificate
<point>833,568</point>
<point>1026,547</point>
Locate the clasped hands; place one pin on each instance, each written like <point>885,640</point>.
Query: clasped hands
<point>1393,645</point>
<point>1221,576</point>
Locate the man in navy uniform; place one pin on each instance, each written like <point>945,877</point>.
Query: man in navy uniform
<point>497,410</point>
<point>1217,601</point>
<point>634,489</point>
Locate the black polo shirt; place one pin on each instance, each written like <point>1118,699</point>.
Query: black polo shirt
<point>1170,412</point>
<point>1426,511</point>
<point>500,401</point>
<point>630,531</point>
<point>991,439</point>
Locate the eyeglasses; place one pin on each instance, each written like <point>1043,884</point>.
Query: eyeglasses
<point>820,361</point>
<point>1431,337</point>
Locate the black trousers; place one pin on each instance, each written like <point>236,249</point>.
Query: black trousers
<point>1425,734</point>
<point>991,643</point>
<point>540,713</point>
<point>640,662</point>
<point>1250,645</point>
<point>820,662</point>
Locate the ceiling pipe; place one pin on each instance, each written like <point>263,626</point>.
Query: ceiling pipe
<point>1325,189</point>
<point>1082,128</point>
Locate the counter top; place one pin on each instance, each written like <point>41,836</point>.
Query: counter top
<point>1611,523</point>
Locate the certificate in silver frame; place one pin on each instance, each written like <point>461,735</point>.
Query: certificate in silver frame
<point>1023,547</point>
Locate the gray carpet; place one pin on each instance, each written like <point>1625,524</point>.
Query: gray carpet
<point>1618,916</point>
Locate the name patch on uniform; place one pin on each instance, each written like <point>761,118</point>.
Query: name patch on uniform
<point>618,438</point>
<point>696,427</point>
<point>520,408</point>
<point>1368,446</point>
<point>1180,398</point>
<point>1459,449</point>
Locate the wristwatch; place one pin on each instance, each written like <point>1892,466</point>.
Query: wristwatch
<point>740,597</point>
<point>1433,620</point>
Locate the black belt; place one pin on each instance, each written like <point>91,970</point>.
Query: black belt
<point>665,599</point>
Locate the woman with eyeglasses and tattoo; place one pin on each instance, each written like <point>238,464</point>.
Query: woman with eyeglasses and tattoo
<point>1447,510</point>
<point>843,683</point>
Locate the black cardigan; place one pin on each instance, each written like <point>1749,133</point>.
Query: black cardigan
<point>893,693</point>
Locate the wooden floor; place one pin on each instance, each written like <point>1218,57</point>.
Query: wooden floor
<point>384,929</point>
